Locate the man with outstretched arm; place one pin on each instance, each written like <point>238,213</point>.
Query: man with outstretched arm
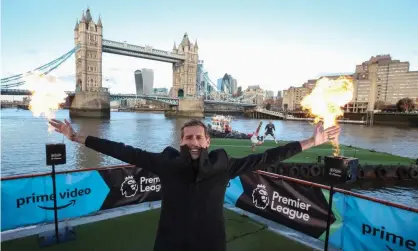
<point>193,180</point>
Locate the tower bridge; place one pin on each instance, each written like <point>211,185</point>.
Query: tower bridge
<point>120,96</point>
<point>93,100</point>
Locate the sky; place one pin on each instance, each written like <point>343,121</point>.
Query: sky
<point>275,44</point>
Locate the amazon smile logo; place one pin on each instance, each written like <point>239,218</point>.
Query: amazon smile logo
<point>71,195</point>
<point>72,202</point>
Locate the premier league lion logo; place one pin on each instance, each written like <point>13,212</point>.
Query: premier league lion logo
<point>129,187</point>
<point>260,197</point>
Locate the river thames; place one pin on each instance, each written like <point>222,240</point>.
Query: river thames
<point>23,139</point>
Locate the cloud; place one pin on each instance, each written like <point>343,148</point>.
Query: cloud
<point>111,83</point>
<point>67,78</point>
<point>321,74</point>
<point>273,66</point>
<point>30,51</point>
<point>8,74</point>
<point>115,69</point>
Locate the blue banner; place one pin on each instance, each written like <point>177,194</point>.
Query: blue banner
<point>30,200</point>
<point>234,191</point>
<point>357,224</point>
<point>370,225</point>
<point>336,228</point>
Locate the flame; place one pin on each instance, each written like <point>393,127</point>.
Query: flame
<point>47,94</point>
<point>325,102</point>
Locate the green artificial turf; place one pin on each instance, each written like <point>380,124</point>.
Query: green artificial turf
<point>137,232</point>
<point>242,147</point>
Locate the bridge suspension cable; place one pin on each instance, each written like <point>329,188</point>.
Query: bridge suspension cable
<point>11,78</point>
<point>208,79</point>
<point>216,93</point>
<point>9,82</point>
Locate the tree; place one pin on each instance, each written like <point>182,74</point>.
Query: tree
<point>278,101</point>
<point>268,106</point>
<point>405,105</point>
<point>239,91</point>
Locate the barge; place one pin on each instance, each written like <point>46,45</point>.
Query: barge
<point>122,223</point>
<point>309,164</point>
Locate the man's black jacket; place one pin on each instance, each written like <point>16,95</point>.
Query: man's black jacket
<point>192,199</point>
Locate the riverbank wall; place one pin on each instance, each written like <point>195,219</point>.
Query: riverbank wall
<point>386,119</point>
<point>389,119</point>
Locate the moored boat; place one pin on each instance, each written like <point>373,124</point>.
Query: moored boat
<point>221,123</point>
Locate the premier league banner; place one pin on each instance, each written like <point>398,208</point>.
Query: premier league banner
<point>129,186</point>
<point>29,201</point>
<point>291,204</point>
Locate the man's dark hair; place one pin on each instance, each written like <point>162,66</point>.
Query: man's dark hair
<point>194,122</point>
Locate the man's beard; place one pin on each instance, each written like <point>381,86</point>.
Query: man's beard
<point>199,164</point>
<point>193,155</point>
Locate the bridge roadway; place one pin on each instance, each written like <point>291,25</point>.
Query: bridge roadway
<point>146,52</point>
<point>113,97</point>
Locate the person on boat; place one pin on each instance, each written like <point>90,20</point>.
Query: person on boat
<point>227,128</point>
<point>269,130</point>
<point>193,180</point>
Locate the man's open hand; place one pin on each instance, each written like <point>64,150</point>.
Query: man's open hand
<point>64,128</point>
<point>322,136</point>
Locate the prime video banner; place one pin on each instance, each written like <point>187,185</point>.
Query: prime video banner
<point>30,200</point>
<point>373,226</point>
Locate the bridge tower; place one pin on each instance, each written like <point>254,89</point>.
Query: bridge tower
<point>89,36</point>
<point>185,74</point>
<point>91,99</point>
<point>184,81</point>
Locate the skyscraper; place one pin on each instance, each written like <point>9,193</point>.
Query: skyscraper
<point>144,82</point>
<point>268,93</point>
<point>219,83</point>
<point>139,83</point>
<point>227,84</point>
<point>234,85</point>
